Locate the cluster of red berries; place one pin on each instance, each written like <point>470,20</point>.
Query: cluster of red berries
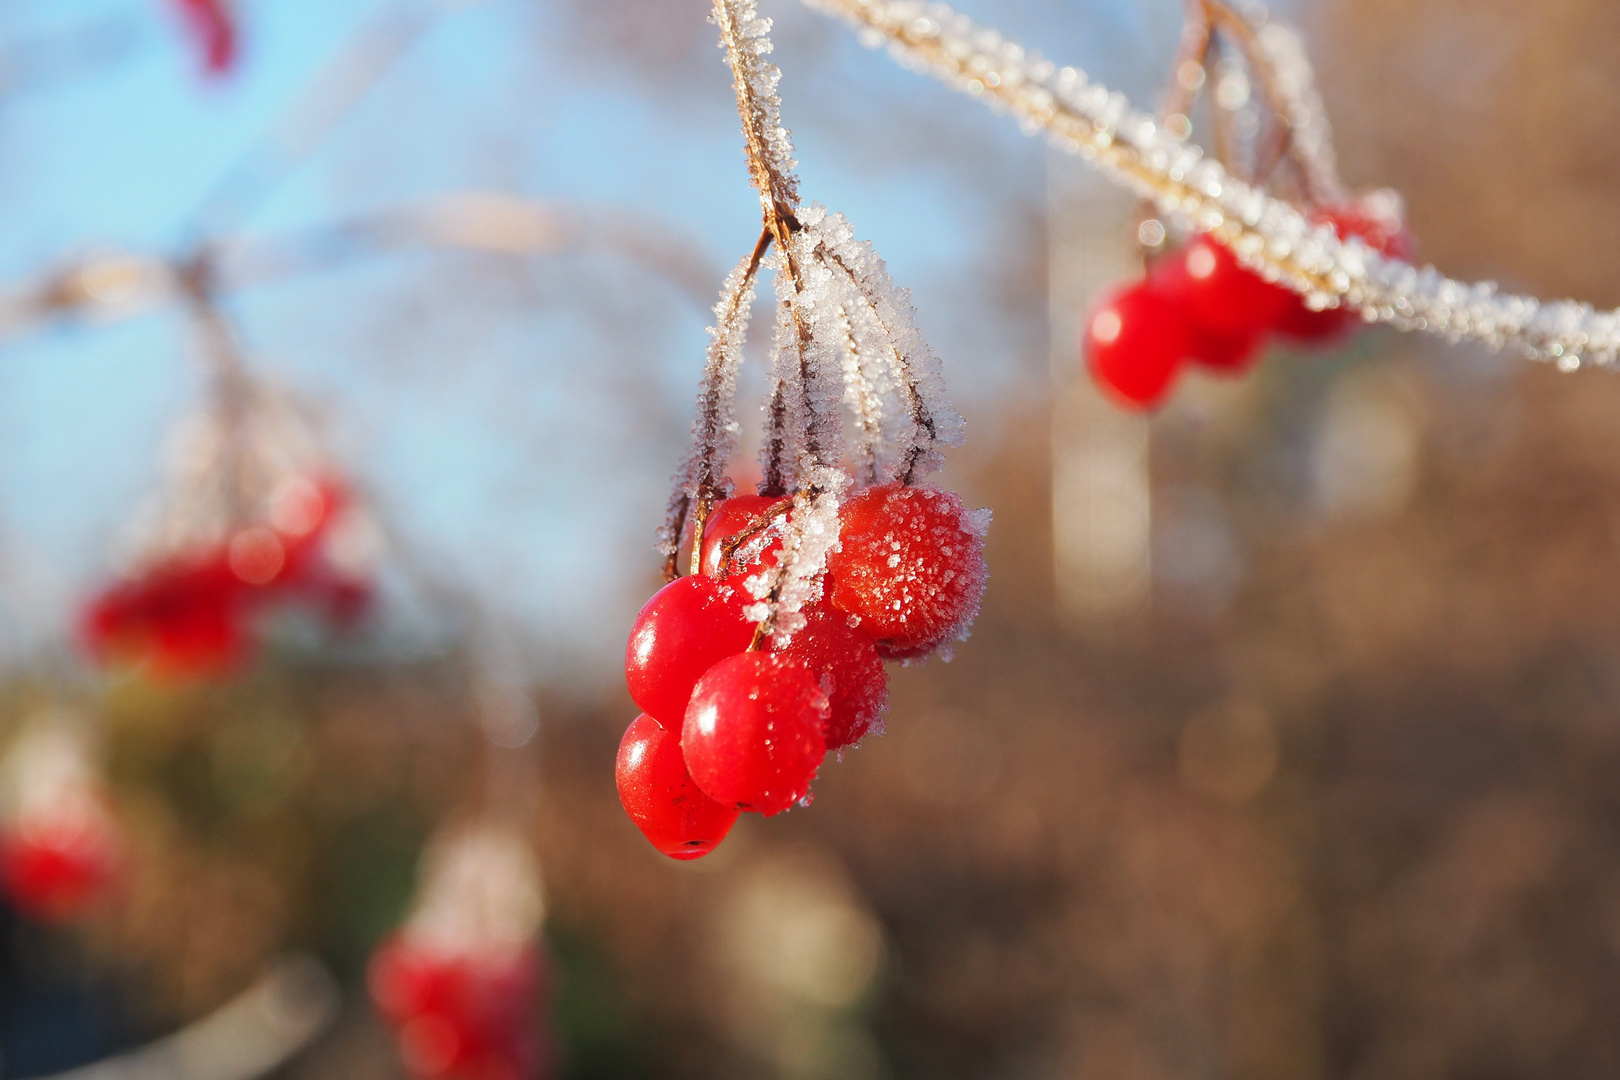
<point>55,869</point>
<point>190,615</point>
<point>732,721</point>
<point>461,1015</point>
<point>1201,305</point>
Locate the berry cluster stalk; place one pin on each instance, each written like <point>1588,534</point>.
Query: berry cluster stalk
<point>844,336</point>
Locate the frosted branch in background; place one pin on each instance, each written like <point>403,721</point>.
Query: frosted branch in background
<point>1267,234</point>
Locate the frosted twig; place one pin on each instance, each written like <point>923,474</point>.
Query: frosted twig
<point>863,400</point>
<point>933,422</point>
<point>715,431</point>
<point>744,36</point>
<point>1266,233</point>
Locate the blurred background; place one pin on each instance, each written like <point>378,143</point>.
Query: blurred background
<point>1285,744</point>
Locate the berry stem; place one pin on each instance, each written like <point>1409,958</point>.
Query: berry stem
<point>863,399</point>
<point>756,525</point>
<point>1219,15</point>
<point>702,476</point>
<point>925,432</point>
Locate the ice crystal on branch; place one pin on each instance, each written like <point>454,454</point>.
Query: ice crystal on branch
<point>745,37</point>
<point>1270,236</point>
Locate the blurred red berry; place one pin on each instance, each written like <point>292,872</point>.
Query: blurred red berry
<point>54,871</point>
<point>183,619</point>
<point>1384,233</point>
<point>461,1015</point>
<point>1134,342</point>
<point>213,25</point>
<point>660,797</point>
<point>1221,298</point>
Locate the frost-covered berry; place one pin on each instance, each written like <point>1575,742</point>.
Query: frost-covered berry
<point>660,797</point>
<point>731,517</point>
<point>685,629</point>
<point>847,666</point>
<point>755,731</point>
<point>1133,343</point>
<point>910,566</point>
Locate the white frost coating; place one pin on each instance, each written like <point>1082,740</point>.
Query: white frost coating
<point>817,299</point>
<point>814,533</point>
<point>715,432</point>
<point>1267,234</point>
<point>746,38</point>
<point>882,324</point>
<point>864,397</point>
<point>784,440</point>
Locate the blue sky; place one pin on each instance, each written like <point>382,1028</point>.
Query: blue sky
<point>518,423</point>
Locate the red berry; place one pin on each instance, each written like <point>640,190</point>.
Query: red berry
<point>1222,297</point>
<point>330,545</point>
<point>660,797</point>
<point>755,731</point>
<point>54,872</point>
<point>910,567</point>
<point>1226,353</point>
<point>460,1015</point>
<point>184,619</point>
<point>686,628</point>
<point>1134,342</point>
<point>847,666</point>
<point>730,517</point>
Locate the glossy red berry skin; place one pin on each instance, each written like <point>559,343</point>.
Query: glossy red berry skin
<point>55,873</point>
<point>1134,342</point>
<point>755,732</point>
<point>1222,298</point>
<point>730,517</point>
<point>688,626</point>
<point>846,665</point>
<point>660,797</point>
<point>458,1015</point>
<point>909,567</point>
<point>1220,351</point>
